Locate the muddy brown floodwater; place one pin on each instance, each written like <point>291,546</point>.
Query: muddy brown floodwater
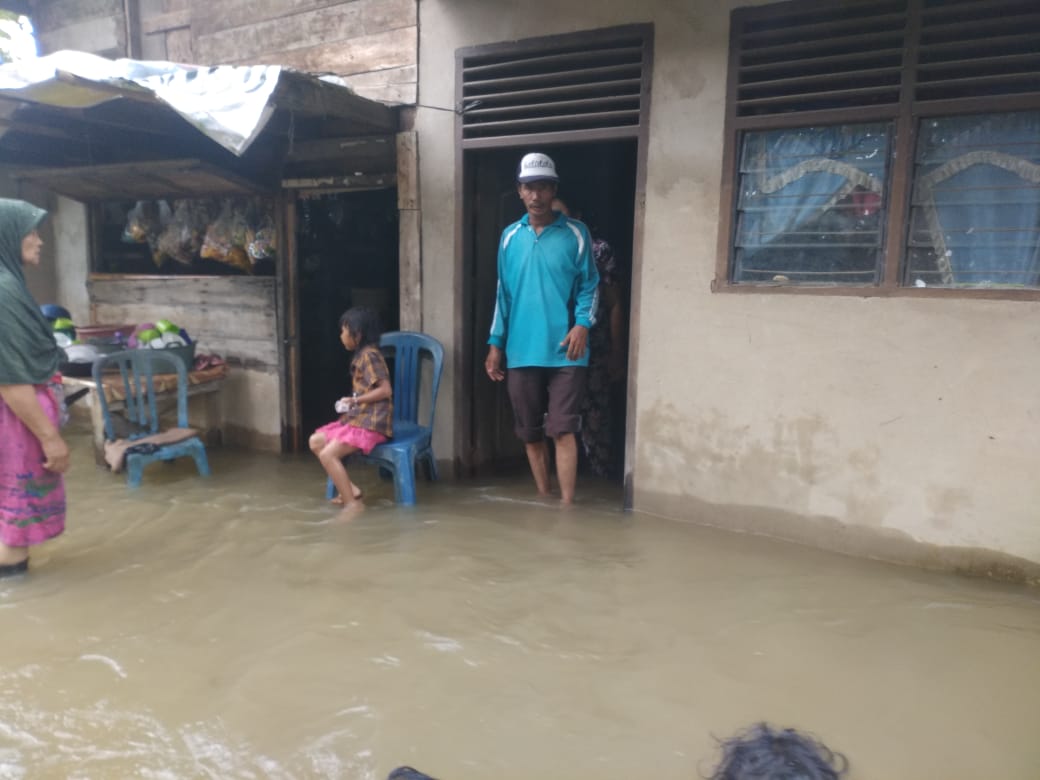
<point>225,628</point>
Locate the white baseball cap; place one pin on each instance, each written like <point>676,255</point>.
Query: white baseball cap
<point>536,167</point>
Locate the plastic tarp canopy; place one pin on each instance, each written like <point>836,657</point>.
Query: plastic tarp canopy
<point>230,104</point>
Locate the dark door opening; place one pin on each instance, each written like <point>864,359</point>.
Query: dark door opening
<point>347,250</point>
<point>599,180</point>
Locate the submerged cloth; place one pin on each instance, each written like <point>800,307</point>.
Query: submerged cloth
<point>28,353</point>
<point>116,449</point>
<point>32,499</point>
<point>547,283</point>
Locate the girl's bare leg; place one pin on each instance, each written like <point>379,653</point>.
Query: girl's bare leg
<point>317,443</point>
<point>331,457</point>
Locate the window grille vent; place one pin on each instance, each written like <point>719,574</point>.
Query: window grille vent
<point>970,48</point>
<point>827,56</point>
<point>570,87</point>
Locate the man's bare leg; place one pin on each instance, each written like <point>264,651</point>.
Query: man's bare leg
<point>567,465</point>
<point>538,457</point>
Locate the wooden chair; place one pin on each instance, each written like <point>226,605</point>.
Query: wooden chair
<point>140,417</point>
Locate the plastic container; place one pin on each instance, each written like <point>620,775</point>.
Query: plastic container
<point>100,332</point>
<point>185,354</point>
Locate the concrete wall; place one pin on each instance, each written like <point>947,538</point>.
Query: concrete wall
<point>898,428</point>
<point>97,26</point>
<point>71,256</point>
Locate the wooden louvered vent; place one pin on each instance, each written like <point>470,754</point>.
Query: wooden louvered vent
<point>970,48</point>
<point>569,87</point>
<point>798,57</point>
<point>823,56</point>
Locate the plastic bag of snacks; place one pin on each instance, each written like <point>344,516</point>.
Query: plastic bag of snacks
<point>145,221</point>
<point>265,241</point>
<point>228,235</point>
<point>182,238</point>
<point>217,243</point>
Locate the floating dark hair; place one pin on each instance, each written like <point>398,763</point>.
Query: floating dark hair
<point>764,753</point>
<point>364,322</point>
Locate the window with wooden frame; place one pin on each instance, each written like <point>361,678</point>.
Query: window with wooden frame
<point>883,147</point>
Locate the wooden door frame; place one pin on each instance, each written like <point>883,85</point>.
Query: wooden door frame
<point>287,300</point>
<point>463,357</point>
<point>288,294</point>
<point>405,180</point>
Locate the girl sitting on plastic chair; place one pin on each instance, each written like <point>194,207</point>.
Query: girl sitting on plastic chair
<point>366,417</point>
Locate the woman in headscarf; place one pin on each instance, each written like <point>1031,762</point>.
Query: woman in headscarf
<point>606,359</point>
<point>33,455</point>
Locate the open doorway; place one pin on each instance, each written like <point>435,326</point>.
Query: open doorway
<point>599,180</point>
<point>347,250</point>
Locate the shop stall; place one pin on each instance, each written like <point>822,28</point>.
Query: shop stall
<point>198,186</point>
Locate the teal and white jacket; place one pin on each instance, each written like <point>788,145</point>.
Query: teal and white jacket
<point>547,284</point>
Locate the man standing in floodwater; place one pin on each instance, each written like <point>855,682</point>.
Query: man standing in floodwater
<point>545,305</point>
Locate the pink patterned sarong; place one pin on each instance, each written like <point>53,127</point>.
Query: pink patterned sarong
<point>32,499</point>
<point>362,438</point>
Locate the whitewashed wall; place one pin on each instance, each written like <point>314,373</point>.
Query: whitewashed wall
<point>899,428</point>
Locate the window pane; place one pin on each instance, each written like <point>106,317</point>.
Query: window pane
<point>975,215</point>
<point>811,205</point>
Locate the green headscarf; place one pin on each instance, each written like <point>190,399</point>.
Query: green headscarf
<point>28,353</point>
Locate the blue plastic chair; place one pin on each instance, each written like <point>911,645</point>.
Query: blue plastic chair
<point>412,440</point>
<point>137,368</point>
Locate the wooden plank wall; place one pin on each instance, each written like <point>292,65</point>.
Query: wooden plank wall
<point>372,44</point>
<point>233,316</point>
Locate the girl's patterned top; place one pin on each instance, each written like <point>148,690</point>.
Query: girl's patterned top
<point>366,370</point>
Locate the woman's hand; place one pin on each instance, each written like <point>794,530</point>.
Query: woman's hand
<point>21,399</point>
<point>55,454</point>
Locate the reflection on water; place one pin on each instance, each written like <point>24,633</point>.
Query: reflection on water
<point>227,629</point>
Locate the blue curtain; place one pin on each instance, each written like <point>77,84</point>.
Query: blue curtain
<point>788,176</point>
<point>977,189</point>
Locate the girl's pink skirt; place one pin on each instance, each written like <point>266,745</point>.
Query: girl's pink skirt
<point>362,438</point>
<point>32,499</point>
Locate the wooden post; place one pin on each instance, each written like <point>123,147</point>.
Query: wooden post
<point>410,227</point>
<point>132,27</point>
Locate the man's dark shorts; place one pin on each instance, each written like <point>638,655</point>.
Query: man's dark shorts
<point>546,401</point>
